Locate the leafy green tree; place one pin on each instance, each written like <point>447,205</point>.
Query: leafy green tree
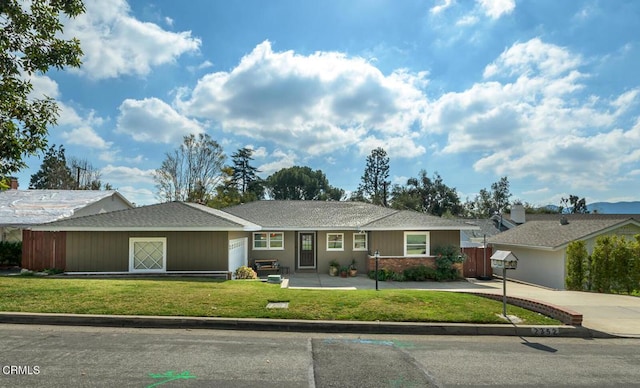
<point>486,203</point>
<point>577,262</point>
<point>227,193</point>
<point>427,195</point>
<point>573,205</point>
<point>375,184</point>
<point>30,44</point>
<point>192,171</point>
<point>54,172</point>
<point>301,183</point>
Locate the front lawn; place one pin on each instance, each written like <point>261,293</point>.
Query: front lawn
<point>246,299</point>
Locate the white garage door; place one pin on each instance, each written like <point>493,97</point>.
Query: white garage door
<point>238,253</point>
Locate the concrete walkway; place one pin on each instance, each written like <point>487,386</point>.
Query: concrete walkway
<point>613,314</point>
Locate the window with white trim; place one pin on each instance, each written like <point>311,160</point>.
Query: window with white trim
<point>360,242</point>
<point>335,241</point>
<point>416,243</point>
<point>268,241</point>
<point>147,254</point>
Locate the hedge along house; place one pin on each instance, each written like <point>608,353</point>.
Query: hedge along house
<point>541,241</point>
<point>301,235</point>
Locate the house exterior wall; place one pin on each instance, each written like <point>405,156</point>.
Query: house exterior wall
<point>104,205</point>
<point>627,231</point>
<point>286,257</point>
<point>391,243</point>
<point>546,268</point>
<point>344,257</point>
<point>109,251</point>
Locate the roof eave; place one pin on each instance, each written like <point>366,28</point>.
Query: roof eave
<point>138,229</point>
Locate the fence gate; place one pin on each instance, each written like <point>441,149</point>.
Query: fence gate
<point>473,265</point>
<point>238,253</point>
<point>43,250</point>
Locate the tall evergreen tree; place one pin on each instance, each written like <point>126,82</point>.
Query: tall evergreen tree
<point>245,175</point>
<point>375,183</point>
<point>54,172</point>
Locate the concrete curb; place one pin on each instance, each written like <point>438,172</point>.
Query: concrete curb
<point>291,325</point>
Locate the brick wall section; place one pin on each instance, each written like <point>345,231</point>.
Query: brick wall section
<point>399,264</point>
<point>564,315</point>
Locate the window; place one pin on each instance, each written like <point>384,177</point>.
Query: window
<point>147,254</point>
<point>265,241</point>
<point>335,241</point>
<point>360,242</point>
<point>416,243</point>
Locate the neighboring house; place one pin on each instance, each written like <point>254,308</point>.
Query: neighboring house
<point>540,242</point>
<point>301,235</point>
<point>486,228</point>
<point>22,209</point>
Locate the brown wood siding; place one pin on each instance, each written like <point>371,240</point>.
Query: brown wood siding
<point>441,238</point>
<point>109,251</point>
<point>388,243</point>
<point>391,243</point>
<point>43,250</point>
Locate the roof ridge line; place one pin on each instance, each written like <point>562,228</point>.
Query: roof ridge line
<point>222,214</point>
<point>393,212</point>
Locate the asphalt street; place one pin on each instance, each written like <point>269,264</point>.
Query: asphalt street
<point>67,356</point>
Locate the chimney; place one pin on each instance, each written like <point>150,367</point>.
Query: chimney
<point>517,213</point>
<point>13,183</point>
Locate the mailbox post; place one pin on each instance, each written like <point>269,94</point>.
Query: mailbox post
<point>504,260</point>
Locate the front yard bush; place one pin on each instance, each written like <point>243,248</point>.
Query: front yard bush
<point>446,257</point>
<point>10,253</point>
<point>245,272</point>
<point>420,273</point>
<point>577,266</point>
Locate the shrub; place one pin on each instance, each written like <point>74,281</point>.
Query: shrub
<point>577,262</point>
<point>446,257</point>
<point>245,272</point>
<point>383,274</point>
<point>10,253</point>
<point>419,273</point>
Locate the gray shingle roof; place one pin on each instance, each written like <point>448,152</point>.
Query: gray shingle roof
<point>551,234</point>
<point>165,216</point>
<point>300,215</point>
<point>32,207</point>
<point>319,215</point>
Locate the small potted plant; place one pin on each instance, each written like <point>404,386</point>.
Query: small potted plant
<point>334,266</point>
<point>344,271</point>
<point>353,270</point>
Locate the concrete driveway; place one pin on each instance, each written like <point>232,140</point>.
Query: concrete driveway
<point>614,314</point>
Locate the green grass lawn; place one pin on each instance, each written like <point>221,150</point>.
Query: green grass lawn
<point>246,299</point>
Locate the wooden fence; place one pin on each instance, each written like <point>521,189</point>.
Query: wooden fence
<point>43,250</point>
<point>473,265</point>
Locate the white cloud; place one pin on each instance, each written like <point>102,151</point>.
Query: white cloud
<point>441,7</point>
<point>117,175</point>
<point>138,196</point>
<point>85,136</point>
<point>496,8</point>
<point>115,43</point>
<point>536,120</point>
<point>282,160</point>
<point>318,103</point>
<point>153,120</point>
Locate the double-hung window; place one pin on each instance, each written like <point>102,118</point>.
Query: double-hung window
<point>268,241</point>
<point>335,241</point>
<point>360,242</point>
<point>416,243</point>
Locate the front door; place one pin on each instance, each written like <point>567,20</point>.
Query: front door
<point>307,251</point>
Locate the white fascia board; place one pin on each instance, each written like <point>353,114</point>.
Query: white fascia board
<point>135,229</point>
<point>413,228</point>
<point>538,247</point>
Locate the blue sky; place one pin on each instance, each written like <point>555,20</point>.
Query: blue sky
<point>544,92</point>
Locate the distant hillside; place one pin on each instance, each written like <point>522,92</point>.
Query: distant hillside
<point>615,207</point>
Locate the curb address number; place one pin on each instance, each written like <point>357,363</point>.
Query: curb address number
<point>542,331</point>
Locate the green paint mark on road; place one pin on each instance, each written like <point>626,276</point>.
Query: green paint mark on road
<point>169,376</point>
